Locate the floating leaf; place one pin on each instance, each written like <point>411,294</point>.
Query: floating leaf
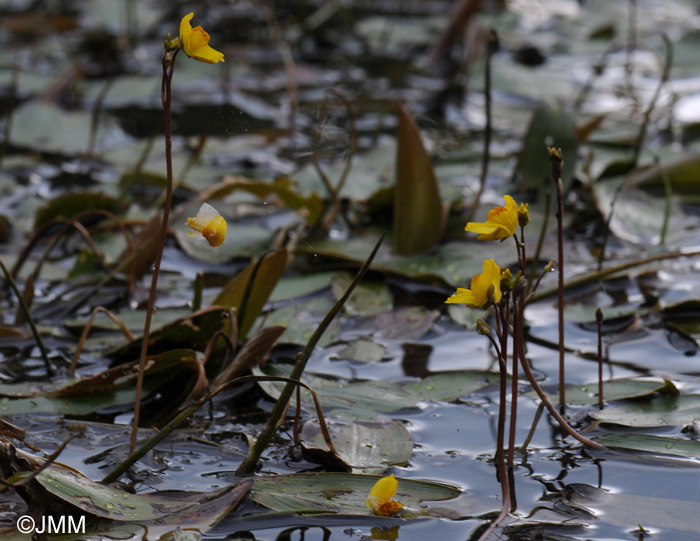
<point>368,298</point>
<point>682,174</point>
<point>366,447</point>
<point>665,411</point>
<point>364,399</point>
<point>301,319</point>
<point>615,389</point>
<point>419,217</point>
<point>651,443</point>
<point>291,287</point>
<point>549,126</point>
<point>265,273</point>
<point>344,493</point>
<point>407,322</point>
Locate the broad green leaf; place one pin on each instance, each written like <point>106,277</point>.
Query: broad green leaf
<point>368,298</point>
<point>616,389</point>
<point>651,443</point>
<point>419,217</point>
<point>365,399</point>
<point>549,126</point>
<point>367,447</point>
<point>264,273</point>
<point>664,411</point>
<point>449,386</point>
<point>68,205</point>
<point>344,493</point>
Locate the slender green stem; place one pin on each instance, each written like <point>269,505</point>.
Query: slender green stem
<point>166,96</point>
<point>491,47</point>
<point>606,231</point>
<point>668,194</point>
<point>29,318</point>
<point>280,407</point>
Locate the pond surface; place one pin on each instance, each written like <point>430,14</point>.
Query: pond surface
<point>306,88</point>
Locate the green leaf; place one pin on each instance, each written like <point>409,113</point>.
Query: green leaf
<point>344,493</point>
<point>449,386</point>
<point>616,389</point>
<point>665,411</point>
<point>368,298</point>
<point>651,443</point>
<point>301,319</point>
<point>265,274</point>
<point>549,126</point>
<point>419,217</point>
<point>681,172</point>
<point>367,447</point>
<point>291,287</point>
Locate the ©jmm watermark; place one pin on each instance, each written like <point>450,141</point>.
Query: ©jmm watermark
<point>50,524</point>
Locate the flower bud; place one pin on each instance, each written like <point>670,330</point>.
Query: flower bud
<point>523,214</point>
<point>482,327</point>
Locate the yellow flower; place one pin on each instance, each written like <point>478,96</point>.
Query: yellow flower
<point>501,223</point>
<point>210,224</point>
<point>379,500</point>
<point>195,42</point>
<point>486,288</point>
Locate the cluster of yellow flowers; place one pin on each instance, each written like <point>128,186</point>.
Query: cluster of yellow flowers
<point>501,223</point>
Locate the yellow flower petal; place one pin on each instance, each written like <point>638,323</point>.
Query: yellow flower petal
<point>379,500</point>
<point>501,223</point>
<point>485,287</point>
<point>195,42</point>
<point>210,224</point>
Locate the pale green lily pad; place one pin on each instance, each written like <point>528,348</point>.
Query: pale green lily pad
<point>345,493</point>
<point>368,298</point>
<point>651,443</point>
<point>367,447</point>
<point>616,389</point>
<point>664,411</point>
<point>449,386</point>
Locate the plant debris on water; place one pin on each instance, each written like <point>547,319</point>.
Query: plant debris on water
<point>310,345</point>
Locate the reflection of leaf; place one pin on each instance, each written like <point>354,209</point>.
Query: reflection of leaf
<point>419,218</point>
<point>549,126</point>
<point>367,447</point>
<point>665,411</point>
<point>651,443</point>
<point>344,493</point>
